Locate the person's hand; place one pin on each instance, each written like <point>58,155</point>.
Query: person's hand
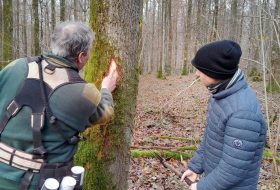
<point>110,80</point>
<point>193,186</point>
<point>189,174</point>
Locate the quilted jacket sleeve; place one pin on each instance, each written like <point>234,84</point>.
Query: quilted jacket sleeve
<point>243,142</point>
<point>195,164</point>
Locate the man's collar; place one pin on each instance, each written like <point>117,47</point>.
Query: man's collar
<point>59,61</point>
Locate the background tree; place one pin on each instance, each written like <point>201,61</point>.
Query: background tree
<point>36,27</point>
<point>7,31</point>
<point>53,13</point>
<point>62,10</point>
<point>1,33</point>
<point>188,17</point>
<point>106,150</point>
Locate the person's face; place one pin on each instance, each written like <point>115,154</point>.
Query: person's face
<point>205,80</point>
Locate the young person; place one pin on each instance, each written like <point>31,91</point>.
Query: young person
<point>231,149</point>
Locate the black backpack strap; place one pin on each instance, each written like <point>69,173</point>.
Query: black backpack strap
<point>26,180</point>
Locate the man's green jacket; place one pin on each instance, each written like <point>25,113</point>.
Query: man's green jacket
<point>77,105</point>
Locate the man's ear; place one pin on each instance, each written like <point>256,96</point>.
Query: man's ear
<point>81,60</point>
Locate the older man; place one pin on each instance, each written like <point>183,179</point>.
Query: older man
<point>44,105</point>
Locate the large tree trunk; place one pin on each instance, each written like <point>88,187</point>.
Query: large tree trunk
<point>7,31</point>
<point>106,150</point>
<point>36,27</point>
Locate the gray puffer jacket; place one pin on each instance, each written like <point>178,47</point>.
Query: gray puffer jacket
<point>231,150</point>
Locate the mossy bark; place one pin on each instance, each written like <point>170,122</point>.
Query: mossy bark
<point>105,150</point>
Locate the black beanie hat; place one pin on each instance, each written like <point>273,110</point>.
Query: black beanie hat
<point>218,60</point>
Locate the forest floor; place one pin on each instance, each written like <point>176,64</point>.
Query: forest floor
<point>171,114</point>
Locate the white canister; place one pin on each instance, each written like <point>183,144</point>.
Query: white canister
<point>78,174</point>
<point>50,184</point>
<point>67,183</point>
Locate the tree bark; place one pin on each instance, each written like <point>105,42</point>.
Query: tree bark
<point>106,152</point>
<point>36,27</point>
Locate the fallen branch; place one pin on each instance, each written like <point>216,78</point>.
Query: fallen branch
<point>167,154</point>
<point>195,141</point>
<point>182,148</point>
<point>171,168</point>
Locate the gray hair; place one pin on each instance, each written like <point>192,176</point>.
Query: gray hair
<point>71,38</point>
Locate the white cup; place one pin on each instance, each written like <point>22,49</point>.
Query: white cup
<point>78,174</point>
<point>67,183</point>
<point>50,184</point>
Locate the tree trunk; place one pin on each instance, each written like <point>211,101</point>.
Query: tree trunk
<point>53,13</point>
<point>24,29</point>
<point>168,41</point>
<point>233,21</point>
<point>275,55</point>
<point>76,18</point>
<point>153,38</point>
<point>17,27</point>
<point>161,71</point>
<point>242,20</point>
<point>160,38</point>
<point>106,150</point>
<point>198,25</point>
<point>1,34</point>
<point>62,10</point>
<point>36,27</point>
<point>215,20</point>
<point>7,31</point>
<point>186,70</point>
